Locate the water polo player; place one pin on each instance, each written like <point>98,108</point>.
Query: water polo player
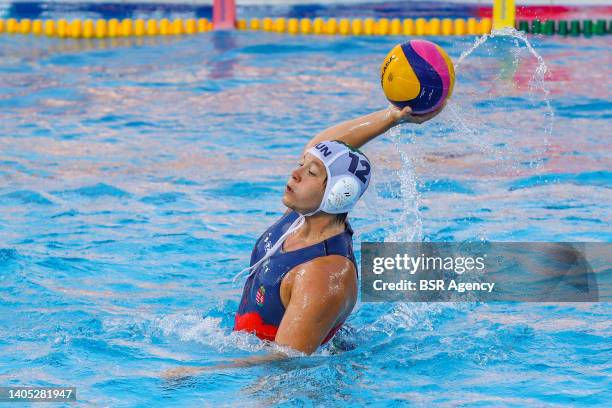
<point>303,276</point>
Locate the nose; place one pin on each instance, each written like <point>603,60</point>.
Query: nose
<point>296,175</point>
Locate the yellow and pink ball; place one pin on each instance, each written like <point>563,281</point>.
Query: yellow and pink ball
<point>419,74</point>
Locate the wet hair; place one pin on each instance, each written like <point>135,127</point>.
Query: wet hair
<point>340,218</point>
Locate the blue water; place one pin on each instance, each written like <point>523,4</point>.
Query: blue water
<point>136,176</point>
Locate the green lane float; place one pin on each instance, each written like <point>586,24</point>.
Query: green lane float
<point>572,28</point>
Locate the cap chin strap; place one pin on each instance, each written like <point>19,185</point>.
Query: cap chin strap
<point>299,221</point>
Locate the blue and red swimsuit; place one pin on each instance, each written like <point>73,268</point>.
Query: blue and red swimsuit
<point>261,309</point>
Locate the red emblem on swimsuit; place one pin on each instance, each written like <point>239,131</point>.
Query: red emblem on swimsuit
<point>259,297</point>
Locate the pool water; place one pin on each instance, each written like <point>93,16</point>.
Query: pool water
<point>136,176</point>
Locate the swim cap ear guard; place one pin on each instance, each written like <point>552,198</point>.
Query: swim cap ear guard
<point>348,176</point>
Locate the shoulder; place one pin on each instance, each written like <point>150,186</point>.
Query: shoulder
<point>331,275</point>
<point>331,264</point>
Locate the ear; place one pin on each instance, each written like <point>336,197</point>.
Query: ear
<point>342,193</point>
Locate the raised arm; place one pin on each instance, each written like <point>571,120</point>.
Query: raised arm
<point>359,131</point>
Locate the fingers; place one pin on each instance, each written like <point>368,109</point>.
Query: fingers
<point>432,114</point>
<point>406,110</point>
<point>405,114</point>
<point>179,373</point>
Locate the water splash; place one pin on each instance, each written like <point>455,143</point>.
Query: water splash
<point>410,220</point>
<point>190,326</point>
<point>538,80</point>
<point>488,133</point>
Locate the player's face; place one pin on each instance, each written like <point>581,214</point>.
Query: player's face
<point>306,186</point>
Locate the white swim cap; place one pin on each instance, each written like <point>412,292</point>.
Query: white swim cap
<point>348,175</point>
